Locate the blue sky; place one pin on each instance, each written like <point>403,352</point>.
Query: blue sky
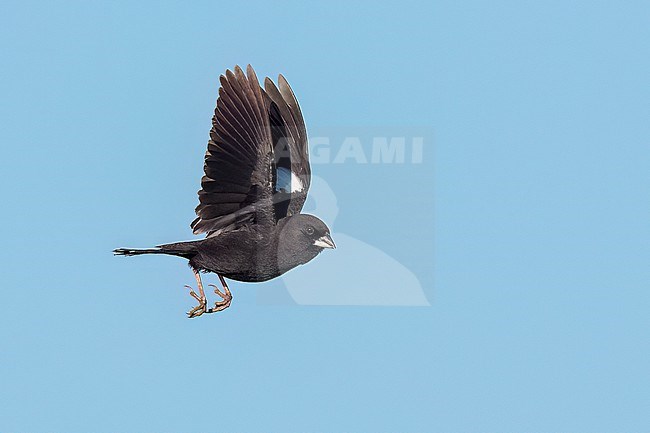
<point>526,223</point>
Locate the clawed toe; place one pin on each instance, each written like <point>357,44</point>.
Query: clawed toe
<point>222,295</point>
<point>226,299</point>
<point>199,309</point>
<point>193,293</point>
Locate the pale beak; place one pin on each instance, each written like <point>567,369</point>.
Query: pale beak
<point>325,242</point>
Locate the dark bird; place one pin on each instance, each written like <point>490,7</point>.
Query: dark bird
<point>256,180</point>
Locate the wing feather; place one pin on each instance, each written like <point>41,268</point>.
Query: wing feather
<point>235,166</point>
<point>286,107</point>
<point>255,132</point>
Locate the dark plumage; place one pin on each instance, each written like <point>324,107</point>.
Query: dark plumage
<point>256,180</point>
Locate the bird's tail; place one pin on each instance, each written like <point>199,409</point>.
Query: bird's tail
<point>137,252</point>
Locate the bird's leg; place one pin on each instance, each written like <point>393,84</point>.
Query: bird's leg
<point>226,297</point>
<point>199,309</point>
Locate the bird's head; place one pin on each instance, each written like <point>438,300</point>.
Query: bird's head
<point>303,237</point>
<point>309,231</point>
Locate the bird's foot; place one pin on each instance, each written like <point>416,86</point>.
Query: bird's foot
<point>199,309</point>
<point>226,298</point>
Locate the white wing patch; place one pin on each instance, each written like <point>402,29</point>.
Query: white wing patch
<point>287,181</point>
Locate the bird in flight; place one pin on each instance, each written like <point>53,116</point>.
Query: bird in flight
<point>256,180</point>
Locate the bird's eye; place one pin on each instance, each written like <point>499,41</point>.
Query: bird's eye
<point>310,230</point>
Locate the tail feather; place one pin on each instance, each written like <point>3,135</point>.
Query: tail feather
<point>137,252</point>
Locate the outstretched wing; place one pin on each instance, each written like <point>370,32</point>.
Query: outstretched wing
<point>257,164</point>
